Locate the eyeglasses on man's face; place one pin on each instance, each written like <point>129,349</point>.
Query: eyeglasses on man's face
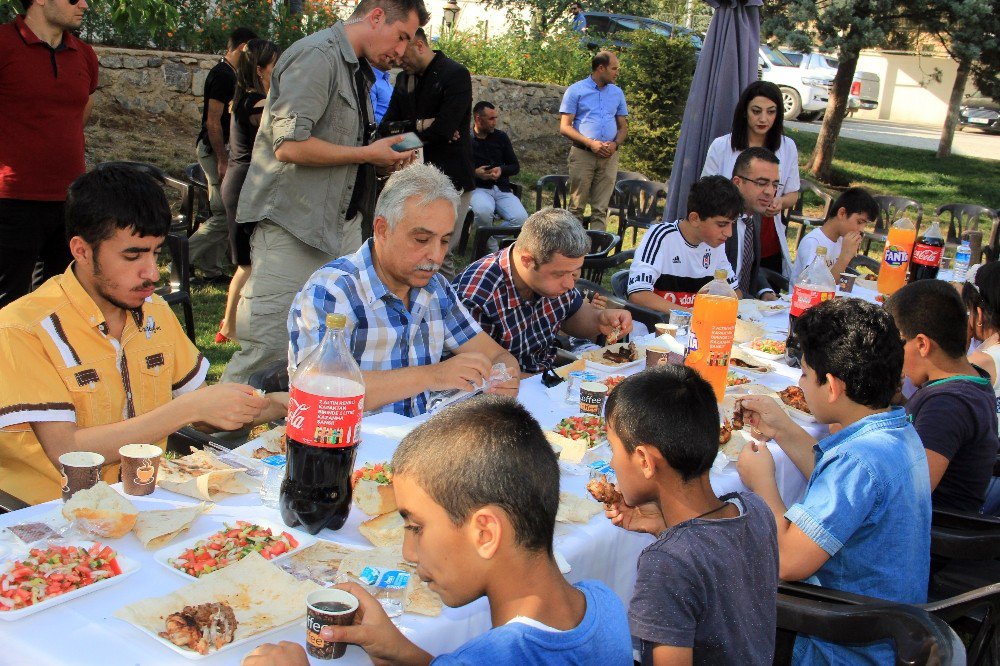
<point>761,182</point>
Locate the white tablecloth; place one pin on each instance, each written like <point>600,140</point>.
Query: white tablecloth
<point>84,630</point>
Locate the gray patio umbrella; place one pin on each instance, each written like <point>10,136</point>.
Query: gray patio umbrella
<point>727,64</point>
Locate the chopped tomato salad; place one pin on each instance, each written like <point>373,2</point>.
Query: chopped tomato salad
<point>380,473</point>
<point>49,572</point>
<point>590,428</point>
<point>232,544</point>
<point>768,346</point>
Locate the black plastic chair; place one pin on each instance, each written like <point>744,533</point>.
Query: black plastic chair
<point>10,503</point>
<point>594,269</point>
<point>480,246</point>
<point>891,209</point>
<point>196,207</point>
<point>616,203</point>
<point>182,187</point>
<point>177,290</point>
<point>463,241</point>
<point>643,202</point>
<point>560,190</point>
<point>863,260</point>
<point>640,314</point>
<point>838,617</point>
<point>966,217</point>
<point>812,194</point>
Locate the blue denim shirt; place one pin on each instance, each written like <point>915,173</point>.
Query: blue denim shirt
<point>594,109</point>
<point>868,505</point>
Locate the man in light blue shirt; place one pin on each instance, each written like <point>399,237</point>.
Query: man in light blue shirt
<point>594,117</point>
<point>864,523</point>
<point>579,23</point>
<point>381,91</point>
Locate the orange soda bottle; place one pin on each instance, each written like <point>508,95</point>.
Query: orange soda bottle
<point>896,258</point>
<point>713,326</point>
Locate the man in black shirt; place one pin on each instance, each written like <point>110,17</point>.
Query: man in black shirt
<point>210,244</point>
<point>433,97</point>
<point>495,162</point>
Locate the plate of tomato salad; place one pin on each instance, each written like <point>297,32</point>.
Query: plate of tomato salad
<point>202,555</point>
<point>45,577</point>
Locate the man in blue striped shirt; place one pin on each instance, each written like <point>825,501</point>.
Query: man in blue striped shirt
<point>403,317</point>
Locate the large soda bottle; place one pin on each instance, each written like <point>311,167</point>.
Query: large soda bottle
<point>815,285</point>
<point>713,325</point>
<point>927,254</point>
<point>323,429</point>
<point>896,259</point>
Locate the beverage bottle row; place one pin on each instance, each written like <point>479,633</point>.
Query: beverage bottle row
<point>815,285</point>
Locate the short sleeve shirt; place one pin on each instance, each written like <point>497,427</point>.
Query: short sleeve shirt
<point>594,109</point>
<point>524,327</point>
<point>383,333</point>
<point>220,85</point>
<point>43,94</point>
<point>59,364</point>
<point>807,251</point>
<point>691,592</point>
<point>673,269</point>
<point>956,418</point>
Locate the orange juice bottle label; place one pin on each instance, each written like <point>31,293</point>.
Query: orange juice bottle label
<point>710,342</point>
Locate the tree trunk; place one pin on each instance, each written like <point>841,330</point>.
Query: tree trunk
<point>821,162</point>
<point>951,121</point>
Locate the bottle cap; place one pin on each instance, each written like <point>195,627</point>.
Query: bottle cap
<point>336,321</point>
<point>821,251</point>
<point>720,273</point>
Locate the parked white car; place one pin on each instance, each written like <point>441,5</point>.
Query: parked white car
<point>805,87</point>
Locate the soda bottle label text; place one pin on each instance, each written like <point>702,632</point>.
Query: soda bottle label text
<point>324,421</point>
<point>803,299</point>
<point>927,255</point>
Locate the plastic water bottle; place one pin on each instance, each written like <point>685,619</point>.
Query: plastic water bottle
<point>963,256</point>
<point>270,487</point>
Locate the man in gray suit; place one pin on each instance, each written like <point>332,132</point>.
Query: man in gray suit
<point>756,176</point>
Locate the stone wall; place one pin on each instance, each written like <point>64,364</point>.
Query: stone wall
<point>161,82</point>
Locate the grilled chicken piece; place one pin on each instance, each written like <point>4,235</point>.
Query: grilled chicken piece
<point>604,491</point>
<point>201,628</point>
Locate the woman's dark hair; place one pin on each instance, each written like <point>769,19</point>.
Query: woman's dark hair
<point>257,53</point>
<point>984,294</point>
<point>115,197</point>
<point>858,343</point>
<point>741,117</point>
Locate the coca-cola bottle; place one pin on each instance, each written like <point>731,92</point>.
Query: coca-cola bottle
<point>323,429</point>
<point>927,254</point>
<point>815,285</point>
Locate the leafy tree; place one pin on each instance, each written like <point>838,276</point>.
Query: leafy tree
<point>844,27</point>
<point>547,15</point>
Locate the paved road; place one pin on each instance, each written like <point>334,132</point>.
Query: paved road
<point>972,143</point>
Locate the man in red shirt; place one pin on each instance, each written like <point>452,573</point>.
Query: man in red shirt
<point>47,80</point>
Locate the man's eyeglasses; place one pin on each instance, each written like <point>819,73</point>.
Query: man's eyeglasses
<point>761,182</point>
<point>73,2</point>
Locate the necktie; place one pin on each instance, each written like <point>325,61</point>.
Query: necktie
<point>746,257</point>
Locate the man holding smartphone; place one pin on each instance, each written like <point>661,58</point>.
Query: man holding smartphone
<point>495,161</point>
<point>311,183</point>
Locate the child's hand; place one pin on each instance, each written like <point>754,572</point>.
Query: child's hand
<point>374,632</point>
<point>764,415</point>
<point>643,518</point>
<point>851,245</point>
<point>756,466</point>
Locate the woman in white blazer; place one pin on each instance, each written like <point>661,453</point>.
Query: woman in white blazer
<point>757,121</point>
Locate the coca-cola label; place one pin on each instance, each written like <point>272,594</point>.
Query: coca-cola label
<point>896,256</point>
<point>927,255</point>
<point>804,298</point>
<point>682,298</point>
<point>326,421</point>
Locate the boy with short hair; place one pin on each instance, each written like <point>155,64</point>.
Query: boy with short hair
<point>694,602</point>
<point>676,259</point>
<point>954,408</point>
<point>840,234</point>
<point>864,523</point>
<point>478,488</point>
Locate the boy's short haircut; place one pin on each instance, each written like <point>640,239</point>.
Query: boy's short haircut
<point>115,197</point>
<point>488,450</point>
<point>855,200</point>
<point>934,308</point>
<point>856,342</point>
<point>672,409</point>
<point>395,10</point>
<point>713,196</point>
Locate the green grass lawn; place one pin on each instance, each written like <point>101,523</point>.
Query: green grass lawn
<point>882,168</point>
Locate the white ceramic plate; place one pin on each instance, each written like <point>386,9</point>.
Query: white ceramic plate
<point>128,566</point>
<point>191,654</point>
<point>759,354</point>
<point>246,450</point>
<point>164,554</point>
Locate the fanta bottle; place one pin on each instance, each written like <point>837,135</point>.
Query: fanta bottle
<point>896,259</point>
<point>713,325</point>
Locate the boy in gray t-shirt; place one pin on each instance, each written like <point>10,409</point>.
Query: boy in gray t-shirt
<point>705,590</point>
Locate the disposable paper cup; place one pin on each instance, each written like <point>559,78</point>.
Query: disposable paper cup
<point>317,618</point>
<point>592,396</point>
<point>846,282</point>
<point>654,355</point>
<point>80,470</point>
<point>140,463</point>
<point>662,329</point>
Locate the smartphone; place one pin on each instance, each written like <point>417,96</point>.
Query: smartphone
<point>410,142</point>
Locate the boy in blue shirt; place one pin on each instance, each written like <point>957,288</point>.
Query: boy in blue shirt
<point>694,601</point>
<point>478,488</point>
<point>864,523</point>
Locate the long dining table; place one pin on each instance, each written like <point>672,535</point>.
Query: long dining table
<point>84,630</point>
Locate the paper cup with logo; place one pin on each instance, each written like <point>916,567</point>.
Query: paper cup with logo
<point>79,470</point>
<point>140,463</point>
<point>325,608</point>
<point>592,397</point>
<point>656,356</point>
<point>666,329</point>
<point>846,282</point>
